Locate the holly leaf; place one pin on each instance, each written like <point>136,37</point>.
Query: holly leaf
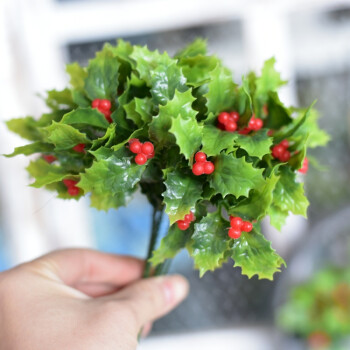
<point>77,75</point>
<point>171,244</point>
<point>270,79</point>
<point>143,106</point>
<point>181,105</point>
<point>88,116</point>
<point>160,72</point>
<point>215,140</point>
<point>235,176</point>
<point>45,173</point>
<point>278,115</point>
<point>182,193</point>
<point>253,253</point>
<point>64,136</point>
<point>131,113</point>
<point>188,134</point>
<point>221,90</point>
<point>113,175</point>
<point>197,47</point>
<point>257,205</point>
<point>289,194</point>
<point>26,127</point>
<point>256,145</point>
<point>60,99</point>
<point>36,147</point>
<point>209,243</point>
<point>277,217</point>
<point>107,202</point>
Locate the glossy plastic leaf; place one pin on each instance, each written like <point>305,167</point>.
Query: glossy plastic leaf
<point>60,99</point>
<point>143,106</point>
<point>235,176</point>
<point>36,147</point>
<point>26,127</point>
<point>253,253</point>
<point>197,47</point>
<point>209,243</point>
<point>88,116</point>
<point>77,75</point>
<point>278,116</point>
<point>277,217</point>
<point>182,193</point>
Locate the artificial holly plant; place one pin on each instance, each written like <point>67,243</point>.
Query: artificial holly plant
<point>215,156</point>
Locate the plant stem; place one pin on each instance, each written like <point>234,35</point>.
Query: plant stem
<point>157,216</point>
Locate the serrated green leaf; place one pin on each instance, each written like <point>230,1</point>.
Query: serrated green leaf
<point>113,175</point>
<point>209,243</point>
<point>270,79</point>
<point>45,173</point>
<point>256,145</point>
<point>36,147</point>
<point>107,202</point>
<point>171,244</point>
<point>143,106</point>
<point>278,115</point>
<point>77,75</point>
<point>197,47</point>
<point>221,90</point>
<point>60,99</point>
<point>257,205</point>
<point>25,127</point>
<point>102,79</point>
<point>64,136</point>
<point>253,253</point>
<point>131,113</point>
<point>188,134</point>
<point>88,116</point>
<point>107,139</point>
<point>289,194</point>
<point>215,140</point>
<point>181,104</point>
<point>277,217</point>
<point>182,193</point>
<point>235,176</point>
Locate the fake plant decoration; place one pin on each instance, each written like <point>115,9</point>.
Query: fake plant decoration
<point>215,156</point>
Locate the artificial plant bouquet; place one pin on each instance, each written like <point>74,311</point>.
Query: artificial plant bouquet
<point>216,157</point>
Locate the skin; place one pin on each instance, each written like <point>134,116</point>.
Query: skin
<point>82,299</point>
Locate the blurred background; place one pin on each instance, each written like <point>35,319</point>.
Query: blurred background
<point>311,42</point>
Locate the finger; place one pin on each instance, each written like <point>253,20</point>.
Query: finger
<point>146,329</point>
<point>79,266</point>
<point>151,298</point>
<point>96,290</point>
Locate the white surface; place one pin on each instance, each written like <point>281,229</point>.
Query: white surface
<point>238,338</point>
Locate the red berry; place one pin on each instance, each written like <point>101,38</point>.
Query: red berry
<point>140,159</point>
<point>236,222</point>
<point>135,147</point>
<point>221,126</point>
<point>208,168</point>
<point>79,147</point>
<point>107,115</point>
<point>234,233</point>
<point>244,131</point>
<point>198,169</point>
<point>277,151</point>
<point>285,156</point>
<point>105,105</point>
<point>258,124</point>
<point>73,191</point>
<point>223,117</point>
<point>246,226</point>
<point>235,116</point>
<point>95,103</point>
<point>189,217</point>
<point>149,156</point>
<point>200,157</point>
<point>183,225</point>
<point>69,183</point>
<point>231,126</point>
<point>132,140</point>
<point>284,143</point>
<point>270,132</point>
<point>251,124</point>
<point>305,166</point>
<point>49,158</point>
<point>147,148</point>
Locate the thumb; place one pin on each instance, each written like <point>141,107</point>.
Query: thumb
<point>151,298</point>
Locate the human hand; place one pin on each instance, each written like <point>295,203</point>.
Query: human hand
<point>82,299</point>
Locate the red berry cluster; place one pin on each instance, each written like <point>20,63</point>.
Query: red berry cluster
<point>238,226</point>
<point>202,166</point>
<point>305,166</point>
<point>104,106</point>
<point>185,223</point>
<point>281,152</point>
<point>228,121</point>
<point>73,190</point>
<point>144,151</point>
<point>49,158</point>
<point>80,147</point>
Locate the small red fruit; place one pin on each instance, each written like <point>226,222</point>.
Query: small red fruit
<point>147,148</point>
<point>95,103</point>
<point>140,159</point>
<point>277,151</point>
<point>132,140</point>
<point>105,105</point>
<point>221,126</point>
<point>135,147</point>
<point>49,158</point>
<point>231,126</point>
<point>208,168</point>
<point>198,169</point>
<point>251,124</point>
<point>284,143</point>
<point>235,116</point>
<point>236,223</point>
<point>79,147</point>
<point>246,226</point>
<point>285,156</point>
<point>108,117</point>
<point>200,157</point>
<point>183,225</point>
<point>223,117</point>
<point>69,182</point>
<point>189,217</point>
<point>305,166</point>
<point>234,233</point>
<point>73,191</point>
<point>244,131</point>
<point>258,124</point>
<point>149,156</point>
